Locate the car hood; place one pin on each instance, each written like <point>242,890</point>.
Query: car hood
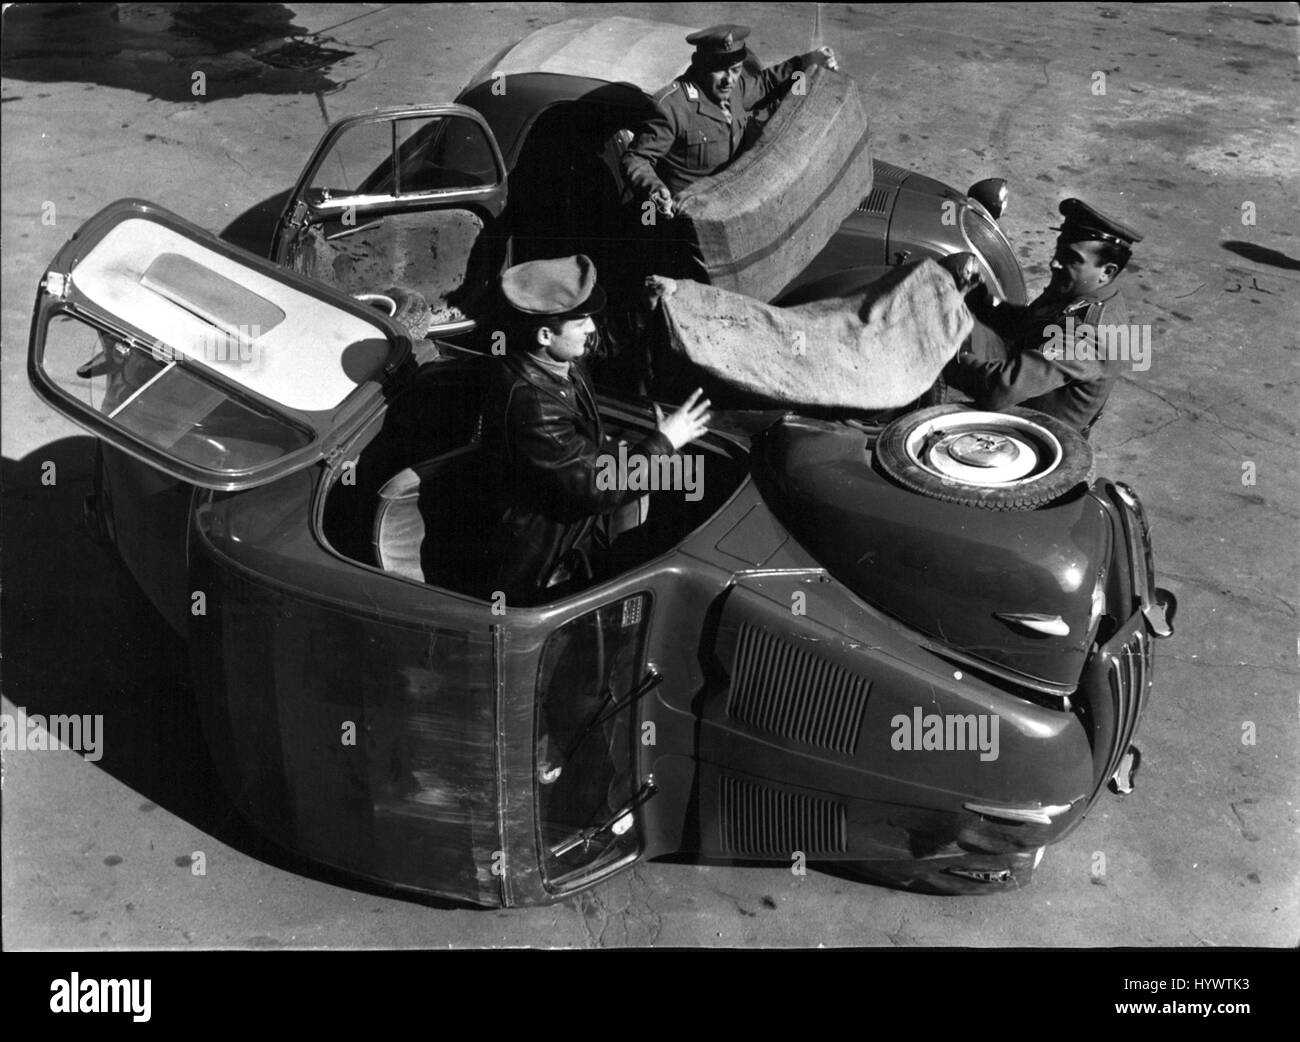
<point>953,572</point>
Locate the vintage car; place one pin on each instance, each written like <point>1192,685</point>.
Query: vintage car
<point>835,653</point>
<point>525,164</point>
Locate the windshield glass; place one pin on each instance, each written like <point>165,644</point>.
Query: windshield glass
<point>585,772</point>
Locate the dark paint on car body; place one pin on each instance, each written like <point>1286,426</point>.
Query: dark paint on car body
<point>397,729</point>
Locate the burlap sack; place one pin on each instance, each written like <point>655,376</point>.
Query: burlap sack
<point>878,349</point>
<point>760,222</point>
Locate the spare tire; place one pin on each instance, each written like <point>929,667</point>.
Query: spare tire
<point>1019,459</point>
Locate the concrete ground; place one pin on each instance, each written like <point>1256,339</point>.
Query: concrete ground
<point>1196,121</point>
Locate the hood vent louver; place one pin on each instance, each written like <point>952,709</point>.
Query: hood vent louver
<point>783,690</point>
<point>756,821</point>
<point>876,201</point>
<point>889,175</point>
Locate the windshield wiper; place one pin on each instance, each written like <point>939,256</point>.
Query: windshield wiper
<point>652,679</point>
<point>583,839</point>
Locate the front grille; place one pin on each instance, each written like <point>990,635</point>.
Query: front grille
<point>784,690</point>
<point>1129,675</point>
<point>758,821</point>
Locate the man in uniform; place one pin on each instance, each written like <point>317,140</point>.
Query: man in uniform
<point>543,437</point>
<point>703,115</point>
<point>1048,355</point>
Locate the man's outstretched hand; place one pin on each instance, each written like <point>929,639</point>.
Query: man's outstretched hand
<point>689,422</point>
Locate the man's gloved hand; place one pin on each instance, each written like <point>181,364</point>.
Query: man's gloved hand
<point>663,200</point>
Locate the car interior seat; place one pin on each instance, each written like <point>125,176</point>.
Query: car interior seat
<point>431,522</point>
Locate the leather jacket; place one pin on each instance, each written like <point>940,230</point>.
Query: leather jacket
<point>543,439</point>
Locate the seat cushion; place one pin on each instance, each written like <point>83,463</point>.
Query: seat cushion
<point>399,526</point>
<point>433,522</point>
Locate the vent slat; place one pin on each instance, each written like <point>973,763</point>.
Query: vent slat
<point>1128,680</point>
<point>758,821</point>
<point>785,690</point>
<point>876,201</point>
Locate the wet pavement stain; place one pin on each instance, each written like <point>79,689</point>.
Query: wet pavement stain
<point>156,49</point>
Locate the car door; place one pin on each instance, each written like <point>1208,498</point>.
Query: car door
<point>351,717</point>
<point>196,364</point>
<point>211,365</point>
<point>406,198</point>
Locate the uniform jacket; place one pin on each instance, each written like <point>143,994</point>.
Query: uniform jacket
<point>690,137</point>
<point>542,437</point>
<point>1041,360</point>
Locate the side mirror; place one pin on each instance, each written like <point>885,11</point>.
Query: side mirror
<point>991,193</point>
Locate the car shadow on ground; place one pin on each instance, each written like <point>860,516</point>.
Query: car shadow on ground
<point>253,229</point>
<point>79,637</point>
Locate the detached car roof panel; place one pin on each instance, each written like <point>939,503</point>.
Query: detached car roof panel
<point>212,365</point>
<point>288,347</point>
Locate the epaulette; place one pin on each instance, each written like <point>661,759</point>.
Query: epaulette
<point>666,92</point>
<point>1093,316</point>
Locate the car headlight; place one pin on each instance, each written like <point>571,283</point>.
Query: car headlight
<point>992,194</point>
<point>988,243</point>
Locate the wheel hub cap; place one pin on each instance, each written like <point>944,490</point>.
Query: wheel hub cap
<point>983,450</point>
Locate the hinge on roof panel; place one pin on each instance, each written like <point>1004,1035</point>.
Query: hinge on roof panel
<point>56,284</point>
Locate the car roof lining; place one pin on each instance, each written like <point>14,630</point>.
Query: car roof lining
<point>310,360</point>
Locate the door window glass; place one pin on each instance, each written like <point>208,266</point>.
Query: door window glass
<point>358,156</point>
<point>411,156</point>
<point>445,152</point>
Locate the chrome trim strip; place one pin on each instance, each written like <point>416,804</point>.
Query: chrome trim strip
<point>1052,625</point>
<point>1020,815</point>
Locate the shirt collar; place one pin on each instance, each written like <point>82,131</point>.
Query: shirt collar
<point>560,370</point>
<point>705,105</point>
<point>1097,296</point>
